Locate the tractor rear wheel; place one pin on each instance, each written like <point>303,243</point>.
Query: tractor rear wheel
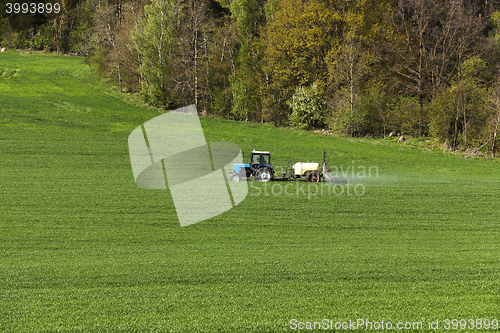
<point>264,175</point>
<point>313,177</point>
<point>235,177</point>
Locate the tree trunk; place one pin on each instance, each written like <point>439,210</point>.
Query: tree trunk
<point>494,144</point>
<point>351,87</point>
<point>455,134</point>
<point>420,86</point>
<point>119,11</point>
<point>159,52</point>
<point>119,76</point>
<point>196,63</point>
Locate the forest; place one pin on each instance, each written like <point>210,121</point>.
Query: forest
<point>354,67</point>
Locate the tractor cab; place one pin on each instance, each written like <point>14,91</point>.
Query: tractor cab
<point>260,158</point>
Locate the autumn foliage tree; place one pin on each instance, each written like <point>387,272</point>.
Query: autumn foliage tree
<point>327,42</point>
<point>301,34</point>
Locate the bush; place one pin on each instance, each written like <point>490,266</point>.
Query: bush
<point>20,40</point>
<point>307,108</point>
<point>5,32</point>
<point>348,117</point>
<point>458,114</point>
<point>377,108</point>
<point>409,117</point>
<point>42,39</point>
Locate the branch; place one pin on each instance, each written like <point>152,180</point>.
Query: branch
<point>476,150</point>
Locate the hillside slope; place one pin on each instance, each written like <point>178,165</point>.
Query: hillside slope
<point>84,249</point>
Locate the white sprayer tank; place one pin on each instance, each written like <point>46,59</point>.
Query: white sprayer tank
<point>301,169</point>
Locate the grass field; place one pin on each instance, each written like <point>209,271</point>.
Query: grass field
<point>83,249</point>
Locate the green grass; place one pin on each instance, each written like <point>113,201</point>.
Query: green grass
<point>83,249</point>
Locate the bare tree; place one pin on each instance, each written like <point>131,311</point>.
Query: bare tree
<point>196,22</point>
<point>494,121</point>
<point>458,39</point>
<point>438,37</point>
<point>347,72</point>
<point>190,41</point>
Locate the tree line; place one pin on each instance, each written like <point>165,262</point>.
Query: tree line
<point>356,67</point>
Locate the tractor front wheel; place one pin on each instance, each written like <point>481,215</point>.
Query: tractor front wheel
<point>264,175</point>
<point>313,177</point>
<point>235,177</point>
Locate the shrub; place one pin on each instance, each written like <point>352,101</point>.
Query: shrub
<point>458,114</point>
<point>20,40</point>
<point>42,39</point>
<point>307,108</point>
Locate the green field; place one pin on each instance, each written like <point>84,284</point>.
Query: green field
<point>83,249</point>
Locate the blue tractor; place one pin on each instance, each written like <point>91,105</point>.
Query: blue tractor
<point>260,168</point>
